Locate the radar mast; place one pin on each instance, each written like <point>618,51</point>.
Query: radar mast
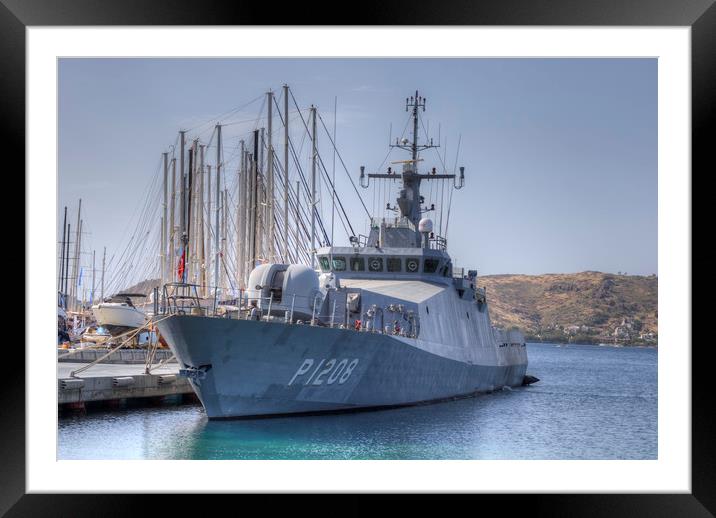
<point>409,200</point>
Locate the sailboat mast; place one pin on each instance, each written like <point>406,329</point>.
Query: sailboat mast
<point>314,155</point>
<point>200,222</point>
<point>208,255</point>
<point>163,254</point>
<point>172,222</point>
<point>261,219</point>
<point>333,174</point>
<point>75,263</point>
<point>218,195</point>
<point>240,246</point>
<point>270,186</point>
<point>93,285</point>
<point>285,173</point>
<point>101,289</point>
<point>189,228</point>
<point>298,220</point>
<point>196,208</point>
<point>241,217</point>
<point>67,264</point>
<point>182,209</point>
<point>62,252</point>
<point>254,202</point>
<point>192,198</point>
<point>224,216</point>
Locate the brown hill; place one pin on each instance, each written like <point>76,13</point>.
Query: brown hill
<point>146,286</point>
<point>586,307</point>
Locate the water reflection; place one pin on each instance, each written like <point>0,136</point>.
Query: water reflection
<point>445,430</point>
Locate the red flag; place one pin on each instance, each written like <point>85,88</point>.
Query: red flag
<point>180,268</point>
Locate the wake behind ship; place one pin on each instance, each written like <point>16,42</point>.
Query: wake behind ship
<point>386,321</point>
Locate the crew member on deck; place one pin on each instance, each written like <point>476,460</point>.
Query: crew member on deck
<point>254,313</point>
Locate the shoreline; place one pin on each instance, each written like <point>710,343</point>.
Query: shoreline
<point>533,340</point>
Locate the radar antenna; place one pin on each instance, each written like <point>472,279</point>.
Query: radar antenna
<point>409,198</point>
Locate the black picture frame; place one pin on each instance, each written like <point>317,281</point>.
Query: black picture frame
<point>700,15</point>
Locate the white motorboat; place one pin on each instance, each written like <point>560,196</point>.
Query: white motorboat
<point>118,314</point>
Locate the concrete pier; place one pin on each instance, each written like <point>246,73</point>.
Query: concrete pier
<point>121,356</point>
<point>114,381</point>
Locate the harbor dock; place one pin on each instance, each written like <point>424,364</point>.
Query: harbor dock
<point>113,382</point>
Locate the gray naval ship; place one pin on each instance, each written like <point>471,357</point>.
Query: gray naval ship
<point>385,322</point>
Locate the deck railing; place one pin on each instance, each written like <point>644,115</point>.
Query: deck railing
<point>185,299</point>
<point>438,243</point>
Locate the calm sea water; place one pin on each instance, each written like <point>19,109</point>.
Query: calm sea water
<point>591,403</point>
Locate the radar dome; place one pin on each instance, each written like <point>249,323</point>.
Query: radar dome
<point>425,225</point>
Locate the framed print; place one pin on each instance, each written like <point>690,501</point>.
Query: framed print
<point>212,173</point>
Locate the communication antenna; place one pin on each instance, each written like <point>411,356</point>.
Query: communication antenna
<point>409,201</point>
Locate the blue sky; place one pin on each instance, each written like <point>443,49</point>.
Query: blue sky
<point>560,155</point>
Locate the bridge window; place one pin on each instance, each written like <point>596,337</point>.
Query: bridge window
<point>447,270</point>
<point>412,264</point>
<point>394,264</point>
<point>431,265</point>
<point>375,264</point>
<point>339,264</point>
<point>357,264</point>
<point>325,265</point>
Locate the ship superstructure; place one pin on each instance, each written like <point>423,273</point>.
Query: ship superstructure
<point>385,321</point>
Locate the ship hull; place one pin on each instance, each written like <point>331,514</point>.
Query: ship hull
<point>242,368</point>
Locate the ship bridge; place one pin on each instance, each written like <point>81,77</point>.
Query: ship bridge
<point>396,263</point>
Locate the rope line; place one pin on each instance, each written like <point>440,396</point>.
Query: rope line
<point>132,334</point>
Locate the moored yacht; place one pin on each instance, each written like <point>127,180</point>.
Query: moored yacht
<point>118,314</point>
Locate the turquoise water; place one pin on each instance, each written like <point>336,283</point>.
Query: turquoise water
<point>591,403</point>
